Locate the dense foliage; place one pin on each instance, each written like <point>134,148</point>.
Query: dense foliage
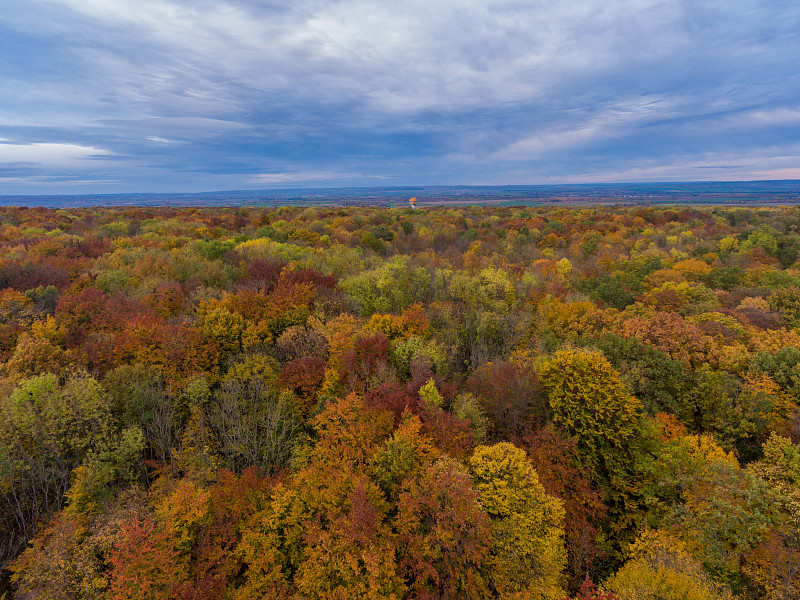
<point>509,403</point>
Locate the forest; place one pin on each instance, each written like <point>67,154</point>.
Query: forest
<point>517,403</point>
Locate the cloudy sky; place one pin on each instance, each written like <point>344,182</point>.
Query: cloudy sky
<point>111,96</point>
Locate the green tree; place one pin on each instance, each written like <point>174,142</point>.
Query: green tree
<point>402,457</point>
<point>718,510</point>
<point>141,399</point>
<point>46,431</point>
<point>656,379</point>
<point>254,424</point>
<point>775,562</point>
<point>589,401</point>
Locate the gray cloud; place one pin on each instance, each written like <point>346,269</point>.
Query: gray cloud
<point>415,92</point>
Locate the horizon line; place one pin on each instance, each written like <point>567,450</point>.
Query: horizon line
<point>333,189</point>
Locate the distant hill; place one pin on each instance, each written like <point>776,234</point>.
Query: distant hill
<point>749,192</point>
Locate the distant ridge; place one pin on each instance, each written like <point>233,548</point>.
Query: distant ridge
<point>748,192</point>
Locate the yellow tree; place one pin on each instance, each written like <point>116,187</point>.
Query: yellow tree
<point>528,553</point>
<point>326,532</point>
<point>660,568</point>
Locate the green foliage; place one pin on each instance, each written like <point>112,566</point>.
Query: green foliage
<point>225,328</point>
<point>619,288</point>
<point>270,232</point>
<point>68,419</point>
<point>402,458</point>
<point>659,381</point>
<point>780,469</point>
<point>782,367</point>
<point>467,408</point>
<point>416,351</point>
<point>213,249</point>
<point>112,465</point>
<point>590,246</point>
<point>389,288</point>
<point>382,232</point>
<point>773,562</point>
<point>370,241</point>
<point>787,250</point>
<point>589,400</point>
<point>254,424</point>
<point>590,403</point>
<point>719,510</point>
<point>47,430</point>
<point>430,396</point>
<point>140,398</point>
<point>723,278</point>
<point>762,238</point>
<point>787,301</point>
<point>740,413</point>
<point>116,281</point>
<point>611,290</point>
<point>43,297</point>
<point>490,289</point>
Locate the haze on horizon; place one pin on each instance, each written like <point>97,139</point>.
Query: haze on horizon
<point>111,96</point>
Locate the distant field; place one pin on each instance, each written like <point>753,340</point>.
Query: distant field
<point>752,193</point>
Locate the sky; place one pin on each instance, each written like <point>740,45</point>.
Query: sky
<point>120,96</point>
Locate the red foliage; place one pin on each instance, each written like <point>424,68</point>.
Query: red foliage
<point>299,341</point>
<point>288,296</point>
<point>673,335</point>
<point>261,273</point>
<point>450,434</point>
<point>555,459</point>
<point>512,397</point>
<point>234,498</point>
<point>758,255</point>
<point>250,303</point>
<point>185,351</point>
<point>181,350</point>
<point>414,320</point>
<point>310,276</point>
<point>715,329</point>
<point>304,377</point>
<point>208,588</point>
<point>589,591</point>
<point>90,247</point>
<point>90,307</point>
<point>264,272</point>
<point>444,535</point>
<point>144,563</point>
<point>214,562</point>
<point>9,332</point>
<point>394,397</point>
<point>762,319</point>
<point>49,270</point>
<point>666,299</point>
<point>167,298</point>
<point>364,362</point>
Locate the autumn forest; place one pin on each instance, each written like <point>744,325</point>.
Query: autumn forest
<point>517,403</point>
